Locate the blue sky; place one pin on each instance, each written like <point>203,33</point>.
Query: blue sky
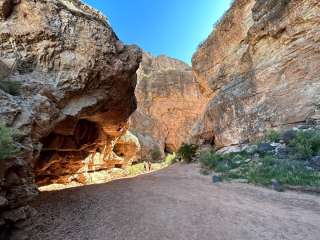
<point>170,27</point>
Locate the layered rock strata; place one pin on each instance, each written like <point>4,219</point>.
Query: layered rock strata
<point>73,94</point>
<point>259,69</point>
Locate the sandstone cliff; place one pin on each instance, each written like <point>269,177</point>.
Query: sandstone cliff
<point>169,103</point>
<point>259,69</point>
<point>72,103</point>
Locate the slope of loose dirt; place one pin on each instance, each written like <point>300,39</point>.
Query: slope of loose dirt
<point>176,203</point>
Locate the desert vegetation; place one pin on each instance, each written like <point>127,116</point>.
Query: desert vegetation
<point>187,152</point>
<point>289,158</point>
<point>11,87</point>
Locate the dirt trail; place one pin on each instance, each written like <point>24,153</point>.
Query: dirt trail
<point>176,203</point>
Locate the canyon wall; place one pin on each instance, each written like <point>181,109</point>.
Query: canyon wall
<point>67,88</point>
<point>169,103</point>
<point>259,69</point>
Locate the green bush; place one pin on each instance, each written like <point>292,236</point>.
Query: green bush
<point>11,87</point>
<point>187,151</point>
<point>284,171</point>
<point>259,171</point>
<point>305,144</point>
<point>210,160</point>
<point>156,155</point>
<point>222,162</point>
<point>272,136</point>
<point>7,144</point>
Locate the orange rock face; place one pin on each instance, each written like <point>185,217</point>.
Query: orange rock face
<point>259,69</point>
<point>169,102</point>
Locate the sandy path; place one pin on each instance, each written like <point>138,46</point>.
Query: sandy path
<point>176,203</point>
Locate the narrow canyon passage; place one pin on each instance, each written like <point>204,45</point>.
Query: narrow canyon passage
<point>175,203</point>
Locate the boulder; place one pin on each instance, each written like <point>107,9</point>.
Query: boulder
<point>315,163</point>
<point>265,148</point>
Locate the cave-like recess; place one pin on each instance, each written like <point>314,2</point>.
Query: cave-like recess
<point>65,148</point>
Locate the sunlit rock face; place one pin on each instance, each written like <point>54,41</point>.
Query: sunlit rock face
<point>81,151</point>
<point>259,69</point>
<point>169,102</point>
<point>76,95</point>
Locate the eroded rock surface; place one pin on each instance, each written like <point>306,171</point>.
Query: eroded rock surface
<point>169,102</point>
<point>76,95</point>
<point>259,70</point>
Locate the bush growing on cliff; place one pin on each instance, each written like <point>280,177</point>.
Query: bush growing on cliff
<point>186,152</point>
<point>7,144</point>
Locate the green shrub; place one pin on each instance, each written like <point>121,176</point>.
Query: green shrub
<point>315,143</point>
<point>156,154</point>
<point>284,171</point>
<point>8,147</point>
<point>272,136</point>
<point>259,171</point>
<point>11,87</point>
<point>305,144</point>
<point>222,162</point>
<point>187,151</point>
<point>210,160</point>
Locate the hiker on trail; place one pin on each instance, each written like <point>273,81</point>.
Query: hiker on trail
<point>149,166</point>
<point>145,166</point>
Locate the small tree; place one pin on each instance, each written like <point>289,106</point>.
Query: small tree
<point>187,152</point>
<point>156,154</point>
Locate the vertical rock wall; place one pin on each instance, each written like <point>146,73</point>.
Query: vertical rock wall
<point>259,69</point>
<point>169,103</point>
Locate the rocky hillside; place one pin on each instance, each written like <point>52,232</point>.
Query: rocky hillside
<point>67,88</point>
<point>169,103</point>
<point>259,69</point>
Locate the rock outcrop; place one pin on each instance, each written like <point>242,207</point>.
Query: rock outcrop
<point>260,69</point>
<point>169,103</point>
<point>71,92</point>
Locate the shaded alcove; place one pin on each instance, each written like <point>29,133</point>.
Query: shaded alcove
<point>65,149</point>
<point>209,141</point>
<point>168,149</point>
